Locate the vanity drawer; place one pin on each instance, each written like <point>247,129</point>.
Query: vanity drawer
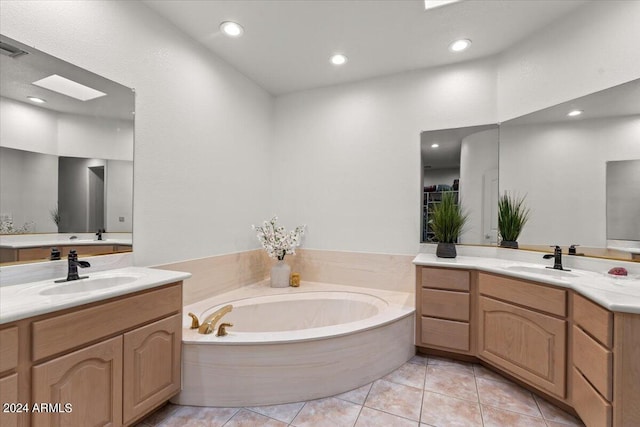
<point>592,408</point>
<point>594,361</point>
<point>442,278</point>
<point>445,304</point>
<point>8,349</point>
<point>597,321</point>
<point>60,333</point>
<point>538,297</point>
<point>445,333</point>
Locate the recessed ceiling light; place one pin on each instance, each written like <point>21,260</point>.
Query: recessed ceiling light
<point>338,59</point>
<point>574,113</point>
<point>68,87</point>
<point>232,29</point>
<point>435,145</point>
<point>36,100</point>
<point>459,45</point>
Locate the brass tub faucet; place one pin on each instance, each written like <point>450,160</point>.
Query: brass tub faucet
<point>208,325</point>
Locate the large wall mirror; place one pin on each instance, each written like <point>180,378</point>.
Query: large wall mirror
<point>558,158</point>
<point>66,157</point>
<point>463,160</point>
<point>579,174</point>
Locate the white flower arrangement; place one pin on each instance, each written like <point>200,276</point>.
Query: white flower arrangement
<point>276,241</point>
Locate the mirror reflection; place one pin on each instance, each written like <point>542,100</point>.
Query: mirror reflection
<point>66,157</point>
<point>463,160</point>
<point>558,157</point>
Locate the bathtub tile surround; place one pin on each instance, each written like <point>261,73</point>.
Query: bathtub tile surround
<point>386,403</point>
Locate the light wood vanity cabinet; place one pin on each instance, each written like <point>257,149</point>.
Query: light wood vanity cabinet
<point>522,329</point>
<point>444,311</point>
<point>8,374</point>
<point>552,339</point>
<point>112,361</point>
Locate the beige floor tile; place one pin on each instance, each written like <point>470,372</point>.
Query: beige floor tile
<point>410,374</point>
<point>436,360</point>
<point>285,412</point>
<point>160,414</point>
<point>245,418</point>
<point>329,412</point>
<point>557,424</point>
<point>507,396</point>
<point>357,395</point>
<point>551,412</point>
<point>452,382</point>
<point>195,416</point>
<point>482,372</point>
<point>494,417</point>
<point>419,359</point>
<point>396,399</point>
<point>445,411</point>
<point>374,418</point>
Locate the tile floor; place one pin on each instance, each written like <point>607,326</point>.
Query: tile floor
<point>426,391</point>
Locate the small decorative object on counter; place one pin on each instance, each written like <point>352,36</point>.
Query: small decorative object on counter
<point>618,271</point>
<point>295,280</point>
<point>278,243</point>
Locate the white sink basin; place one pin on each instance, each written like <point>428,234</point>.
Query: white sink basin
<point>541,270</point>
<point>88,285</point>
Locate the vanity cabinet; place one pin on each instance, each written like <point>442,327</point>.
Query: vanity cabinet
<point>554,340</point>
<point>8,374</point>
<point>107,363</point>
<point>522,328</point>
<point>444,312</point>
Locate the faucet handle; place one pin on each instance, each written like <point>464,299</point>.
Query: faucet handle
<point>195,323</point>
<point>222,331</point>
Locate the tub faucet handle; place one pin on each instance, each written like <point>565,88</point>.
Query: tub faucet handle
<point>195,323</point>
<point>222,331</point>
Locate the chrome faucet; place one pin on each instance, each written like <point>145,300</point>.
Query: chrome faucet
<point>557,258</point>
<point>208,325</point>
<point>72,267</point>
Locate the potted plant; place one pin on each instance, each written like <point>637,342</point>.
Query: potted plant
<point>278,243</point>
<point>512,216</point>
<point>447,221</point>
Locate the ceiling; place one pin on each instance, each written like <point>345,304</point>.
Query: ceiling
<point>447,154</point>
<point>287,44</point>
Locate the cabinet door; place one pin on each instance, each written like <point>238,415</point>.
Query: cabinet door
<point>151,366</point>
<point>8,395</point>
<point>90,380</point>
<point>528,344</point>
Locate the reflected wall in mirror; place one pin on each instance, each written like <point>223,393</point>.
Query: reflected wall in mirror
<point>66,161</point>
<point>623,203</point>
<point>559,162</point>
<point>463,160</point>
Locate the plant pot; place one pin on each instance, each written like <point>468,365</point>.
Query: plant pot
<point>446,250</point>
<point>511,244</point>
<point>280,274</point>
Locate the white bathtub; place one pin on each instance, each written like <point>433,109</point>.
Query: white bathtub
<point>295,344</point>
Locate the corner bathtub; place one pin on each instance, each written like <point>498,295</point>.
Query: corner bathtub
<point>294,344</point>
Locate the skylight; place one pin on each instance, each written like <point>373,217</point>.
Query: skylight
<point>432,4</point>
<point>68,87</point>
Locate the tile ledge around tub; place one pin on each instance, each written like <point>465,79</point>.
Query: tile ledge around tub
<point>615,294</point>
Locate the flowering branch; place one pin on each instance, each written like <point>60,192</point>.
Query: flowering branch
<point>276,241</point>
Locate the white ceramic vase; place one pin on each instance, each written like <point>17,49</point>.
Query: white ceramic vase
<point>280,274</point>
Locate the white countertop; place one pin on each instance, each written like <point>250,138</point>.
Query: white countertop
<point>612,292</point>
<point>31,299</point>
